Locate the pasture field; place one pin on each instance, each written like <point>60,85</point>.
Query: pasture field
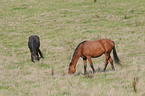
<point>61,26</point>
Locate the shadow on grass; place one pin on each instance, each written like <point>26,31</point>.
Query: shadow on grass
<point>90,74</point>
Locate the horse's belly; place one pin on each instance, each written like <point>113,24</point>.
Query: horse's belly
<point>97,55</point>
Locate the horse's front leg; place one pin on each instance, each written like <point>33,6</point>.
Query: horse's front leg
<point>37,55</point>
<point>91,63</point>
<point>32,57</point>
<point>85,65</point>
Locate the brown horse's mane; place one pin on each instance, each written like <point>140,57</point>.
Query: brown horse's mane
<point>77,49</point>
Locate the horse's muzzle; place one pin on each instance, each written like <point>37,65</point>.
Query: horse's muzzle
<point>35,61</point>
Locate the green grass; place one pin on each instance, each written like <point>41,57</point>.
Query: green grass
<point>61,26</point>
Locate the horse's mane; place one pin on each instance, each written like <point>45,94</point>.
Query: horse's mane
<point>77,49</point>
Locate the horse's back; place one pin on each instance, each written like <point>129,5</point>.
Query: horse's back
<point>100,43</point>
<point>93,48</point>
<point>35,40</point>
<point>97,47</point>
<point>34,36</point>
<point>108,44</point>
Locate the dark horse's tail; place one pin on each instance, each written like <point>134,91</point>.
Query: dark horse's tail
<point>115,55</point>
<point>40,53</point>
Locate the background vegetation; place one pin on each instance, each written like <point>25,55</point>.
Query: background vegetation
<point>61,26</point>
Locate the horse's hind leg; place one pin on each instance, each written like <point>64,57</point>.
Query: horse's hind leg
<point>107,56</point>
<point>32,58</point>
<point>85,65</point>
<point>40,53</point>
<point>111,62</point>
<point>91,63</point>
<point>37,55</point>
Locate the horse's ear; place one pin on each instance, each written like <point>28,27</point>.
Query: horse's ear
<point>70,63</point>
<point>70,59</point>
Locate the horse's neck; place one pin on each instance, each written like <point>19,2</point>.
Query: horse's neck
<point>75,60</point>
<point>76,57</point>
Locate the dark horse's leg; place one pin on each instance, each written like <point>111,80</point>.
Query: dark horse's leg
<point>85,65</point>
<point>91,63</point>
<point>40,53</point>
<point>37,55</point>
<point>111,62</point>
<point>32,58</point>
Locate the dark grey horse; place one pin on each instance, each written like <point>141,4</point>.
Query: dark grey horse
<point>34,44</point>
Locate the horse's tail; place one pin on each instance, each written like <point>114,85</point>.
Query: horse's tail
<point>40,53</point>
<point>115,54</point>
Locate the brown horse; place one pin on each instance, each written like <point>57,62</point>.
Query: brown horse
<point>93,49</point>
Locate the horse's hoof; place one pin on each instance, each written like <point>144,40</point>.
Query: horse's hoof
<point>85,73</point>
<point>113,69</point>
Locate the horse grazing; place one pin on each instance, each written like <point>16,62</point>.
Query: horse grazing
<point>93,49</point>
<point>34,44</point>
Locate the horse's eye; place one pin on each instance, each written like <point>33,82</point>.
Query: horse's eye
<point>69,69</point>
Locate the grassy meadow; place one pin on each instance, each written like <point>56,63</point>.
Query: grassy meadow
<point>61,26</point>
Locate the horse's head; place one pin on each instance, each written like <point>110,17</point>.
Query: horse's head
<point>71,69</point>
<point>34,56</point>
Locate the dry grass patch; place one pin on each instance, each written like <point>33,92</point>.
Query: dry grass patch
<point>61,26</point>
